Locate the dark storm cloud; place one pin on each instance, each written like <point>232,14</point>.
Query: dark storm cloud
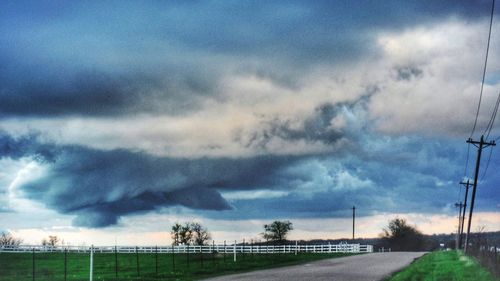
<point>26,146</point>
<point>402,185</point>
<point>105,58</point>
<point>47,91</point>
<point>384,174</point>
<point>100,186</point>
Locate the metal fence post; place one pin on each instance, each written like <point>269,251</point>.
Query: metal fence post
<point>224,255</point>
<point>243,250</point>
<point>173,259</point>
<point>116,262</point>
<point>187,256</point>
<point>156,259</point>
<point>213,253</point>
<point>251,248</point>
<point>65,264</point>
<point>33,258</point>
<point>201,256</point>
<point>137,260</point>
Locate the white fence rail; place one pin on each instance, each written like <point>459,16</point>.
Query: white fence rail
<point>214,248</point>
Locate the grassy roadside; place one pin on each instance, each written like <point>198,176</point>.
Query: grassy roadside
<point>50,266</point>
<point>448,265</point>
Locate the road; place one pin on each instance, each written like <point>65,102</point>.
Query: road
<point>367,267</point>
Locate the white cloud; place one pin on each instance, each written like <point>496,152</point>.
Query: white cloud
<point>254,194</point>
<point>440,97</point>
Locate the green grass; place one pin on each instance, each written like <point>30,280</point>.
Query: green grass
<point>444,266</point>
<point>50,266</point>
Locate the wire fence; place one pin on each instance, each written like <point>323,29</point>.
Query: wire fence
<point>36,262</point>
<point>487,255</point>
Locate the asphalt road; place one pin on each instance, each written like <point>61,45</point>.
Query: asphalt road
<point>367,267</point>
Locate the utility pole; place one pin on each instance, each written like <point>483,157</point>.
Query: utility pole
<point>467,184</point>
<point>457,242</point>
<point>353,220</point>
<point>480,145</point>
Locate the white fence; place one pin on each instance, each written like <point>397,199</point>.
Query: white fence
<point>208,249</point>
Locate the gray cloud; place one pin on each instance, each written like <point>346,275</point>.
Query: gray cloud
<point>316,128</point>
<point>100,186</point>
<point>408,72</point>
<point>67,63</point>
<point>45,90</point>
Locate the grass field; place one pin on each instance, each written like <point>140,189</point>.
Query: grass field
<point>449,265</point>
<point>50,266</point>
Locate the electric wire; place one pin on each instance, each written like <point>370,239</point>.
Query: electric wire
<point>487,163</point>
<point>484,70</point>
<point>489,127</point>
<point>467,160</point>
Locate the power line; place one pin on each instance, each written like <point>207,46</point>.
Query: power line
<point>484,69</point>
<point>489,127</point>
<point>487,164</point>
<point>467,160</point>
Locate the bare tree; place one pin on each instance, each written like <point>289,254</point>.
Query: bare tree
<point>200,234</point>
<point>7,239</point>
<point>186,234</point>
<point>277,231</point>
<point>189,233</point>
<point>175,233</point>
<point>52,241</point>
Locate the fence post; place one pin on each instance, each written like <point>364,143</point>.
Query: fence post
<point>65,263</point>
<point>137,260</point>
<point>296,246</point>
<point>187,255</point>
<point>224,255</point>
<point>201,255</point>
<point>33,257</point>
<point>251,248</point>
<point>173,259</point>
<point>116,262</point>
<point>156,259</point>
<point>243,250</point>
<point>213,253</point>
<point>91,262</point>
<point>234,251</point>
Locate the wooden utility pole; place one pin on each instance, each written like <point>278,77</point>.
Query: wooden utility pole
<point>457,241</point>
<point>353,220</point>
<point>467,184</point>
<point>480,145</point>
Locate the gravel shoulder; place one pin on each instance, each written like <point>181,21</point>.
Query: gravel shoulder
<point>367,267</point>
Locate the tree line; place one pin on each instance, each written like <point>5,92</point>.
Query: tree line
<point>194,233</point>
<point>399,235</point>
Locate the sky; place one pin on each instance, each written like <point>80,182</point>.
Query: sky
<point>120,118</point>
